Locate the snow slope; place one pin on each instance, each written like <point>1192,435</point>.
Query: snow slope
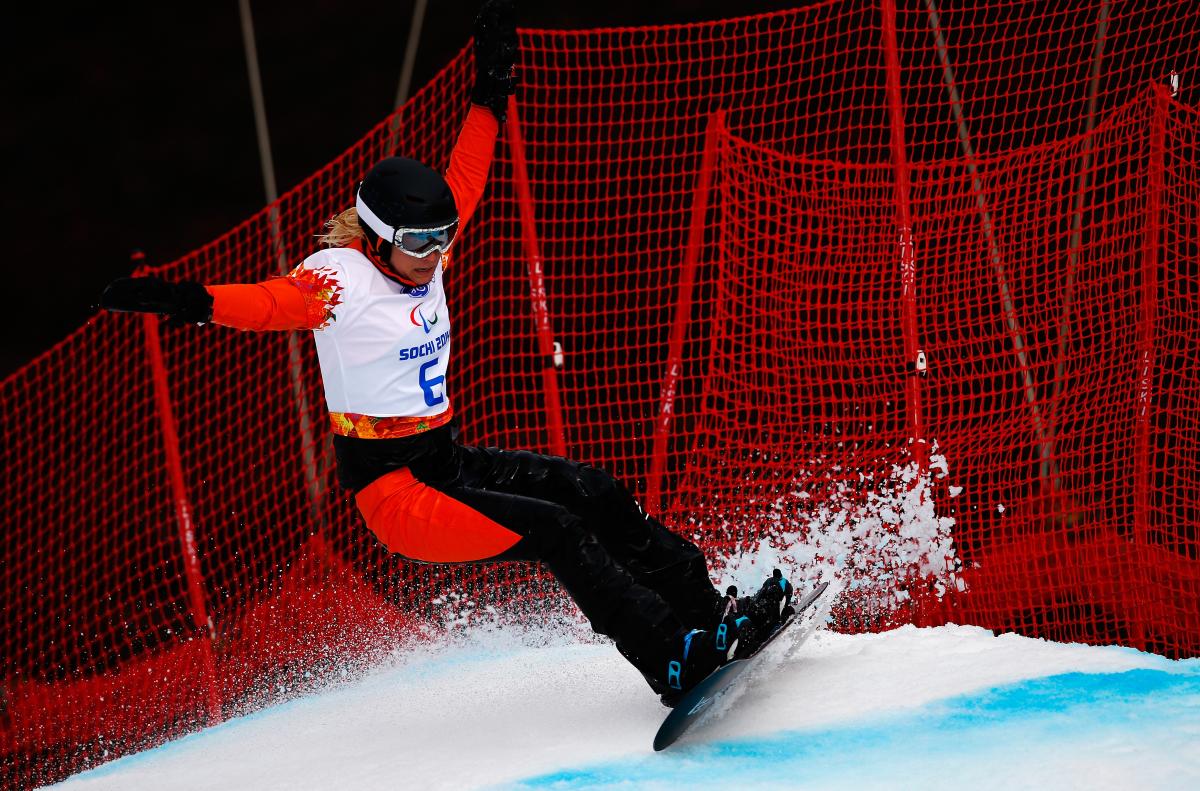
<point>953,707</point>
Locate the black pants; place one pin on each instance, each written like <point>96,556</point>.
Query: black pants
<point>634,580</point>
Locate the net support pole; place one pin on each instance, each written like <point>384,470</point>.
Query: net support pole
<point>915,361</point>
<point>406,71</point>
<point>550,356</point>
<point>1142,447</point>
<point>410,52</point>
<point>1081,188</point>
<point>1045,445</point>
<point>312,477</point>
<point>198,602</point>
<point>266,161</point>
<point>683,310</point>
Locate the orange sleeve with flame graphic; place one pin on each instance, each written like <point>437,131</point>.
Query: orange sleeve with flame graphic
<point>304,300</point>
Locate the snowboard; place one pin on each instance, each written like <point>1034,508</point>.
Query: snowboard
<point>691,708</point>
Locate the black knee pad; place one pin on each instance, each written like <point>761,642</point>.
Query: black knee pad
<point>594,482</point>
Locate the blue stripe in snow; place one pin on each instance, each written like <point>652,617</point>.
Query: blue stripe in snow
<point>958,742</point>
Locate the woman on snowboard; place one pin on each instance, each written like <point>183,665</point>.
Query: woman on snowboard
<point>374,301</point>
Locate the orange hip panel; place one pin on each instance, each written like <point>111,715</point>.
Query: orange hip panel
<point>422,523</point>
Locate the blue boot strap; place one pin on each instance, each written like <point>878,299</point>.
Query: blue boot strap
<point>687,642</point>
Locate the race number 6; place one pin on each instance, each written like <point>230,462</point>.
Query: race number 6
<point>432,398</point>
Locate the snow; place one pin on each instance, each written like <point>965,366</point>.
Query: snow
<point>491,706</point>
<point>951,707</point>
<point>868,534</point>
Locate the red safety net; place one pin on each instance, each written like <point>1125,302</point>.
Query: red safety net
<point>910,293</point>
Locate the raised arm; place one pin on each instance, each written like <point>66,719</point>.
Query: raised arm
<point>471,160</point>
<point>495,52</point>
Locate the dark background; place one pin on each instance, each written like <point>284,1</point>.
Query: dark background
<point>130,126</point>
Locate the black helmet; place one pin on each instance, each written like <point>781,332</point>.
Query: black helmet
<point>403,193</point>
<point>398,195</point>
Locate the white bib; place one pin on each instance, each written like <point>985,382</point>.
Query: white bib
<point>385,350</point>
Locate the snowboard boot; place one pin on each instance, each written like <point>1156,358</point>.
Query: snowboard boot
<point>699,653</point>
<point>758,616</point>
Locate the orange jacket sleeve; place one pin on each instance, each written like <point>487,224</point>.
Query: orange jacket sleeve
<point>276,304</point>
<point>471,159</point>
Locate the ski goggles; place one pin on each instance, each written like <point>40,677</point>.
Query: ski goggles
<point>417,242</point>
<point>420,242</point>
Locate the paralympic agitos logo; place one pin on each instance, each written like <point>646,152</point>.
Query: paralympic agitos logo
<point>417,317</point>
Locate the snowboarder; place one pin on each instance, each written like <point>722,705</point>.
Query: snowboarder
<point>374,300</point>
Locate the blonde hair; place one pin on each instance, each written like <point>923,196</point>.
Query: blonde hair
<point>343,230</point>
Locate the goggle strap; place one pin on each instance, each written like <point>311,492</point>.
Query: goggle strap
<point>372,221</point>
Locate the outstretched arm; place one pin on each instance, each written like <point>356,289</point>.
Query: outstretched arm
<point>275,304</point>
<point>304,300</point>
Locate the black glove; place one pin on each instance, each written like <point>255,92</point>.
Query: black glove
<point>495,53</point>
<point>186,302</point>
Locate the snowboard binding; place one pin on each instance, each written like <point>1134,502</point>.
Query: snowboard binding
<point>760,615</point>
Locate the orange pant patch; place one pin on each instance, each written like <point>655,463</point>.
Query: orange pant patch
<point>421,523</point>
